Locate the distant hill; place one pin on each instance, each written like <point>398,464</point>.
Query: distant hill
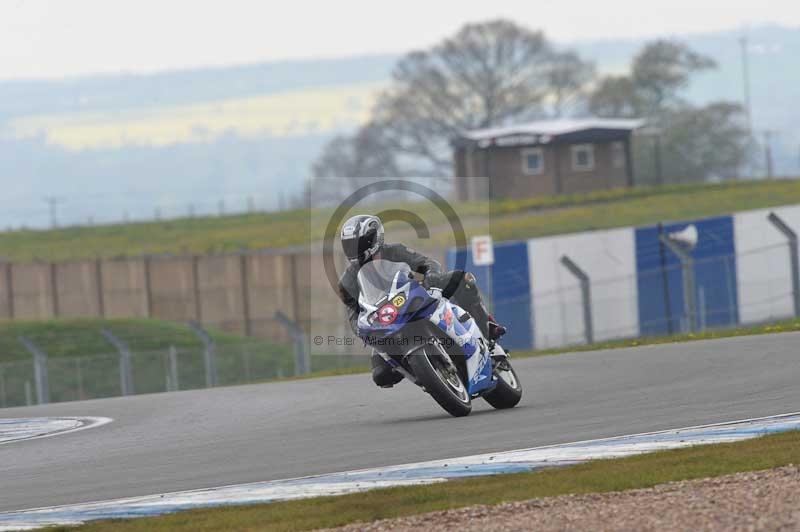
<point>132,91</point>
<point>117,145</point>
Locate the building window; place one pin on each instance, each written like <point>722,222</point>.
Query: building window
<point>618,154</point>
<point>532,161</point>
<point>583,157</point>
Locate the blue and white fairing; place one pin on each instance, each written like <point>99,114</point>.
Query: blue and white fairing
<point>448,317</point>
<point>389,299</point>
<point>385,285</point>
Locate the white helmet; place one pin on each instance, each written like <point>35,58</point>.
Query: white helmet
<point>362,238</point>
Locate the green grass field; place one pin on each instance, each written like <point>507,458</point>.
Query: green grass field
<point>599,476</point>
<point>82,337</point>
<point>510,219</point>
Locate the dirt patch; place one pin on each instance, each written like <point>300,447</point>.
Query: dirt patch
<point>762,500</point>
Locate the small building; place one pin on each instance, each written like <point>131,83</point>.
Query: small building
<point>544,158</point>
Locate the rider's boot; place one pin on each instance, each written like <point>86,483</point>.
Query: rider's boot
<point>382,373</point>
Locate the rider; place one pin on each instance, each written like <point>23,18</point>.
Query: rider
<point>362,241</point>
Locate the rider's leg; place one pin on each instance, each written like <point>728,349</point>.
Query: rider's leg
<point>462,289</point>
<point>382,373</point>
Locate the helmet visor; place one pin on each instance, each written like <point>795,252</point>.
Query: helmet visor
<point>357,248</point>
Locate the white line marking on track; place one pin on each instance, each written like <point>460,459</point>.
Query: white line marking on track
<point>23,429</point>
<point>400,475</point>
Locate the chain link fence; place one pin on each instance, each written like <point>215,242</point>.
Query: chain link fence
<point>56,379</point>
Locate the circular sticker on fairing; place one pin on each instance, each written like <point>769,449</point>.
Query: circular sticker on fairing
<point>399,301</point>
<point>387,314</point>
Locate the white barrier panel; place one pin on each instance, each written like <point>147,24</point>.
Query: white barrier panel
<point>762,264</point>
<point>608,257</point>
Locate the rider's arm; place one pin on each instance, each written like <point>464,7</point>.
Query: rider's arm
<point>348,293</point>
<point>418,262</point>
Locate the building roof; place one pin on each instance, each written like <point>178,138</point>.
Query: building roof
<point>545,131</point>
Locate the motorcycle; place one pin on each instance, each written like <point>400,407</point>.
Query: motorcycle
<point>431,341</point>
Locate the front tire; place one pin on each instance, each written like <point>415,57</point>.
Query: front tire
<point>434,369</point>
<point>508,391</point>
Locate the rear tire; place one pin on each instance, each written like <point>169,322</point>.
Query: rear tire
<point>508,391</point>
<point>440,378</point>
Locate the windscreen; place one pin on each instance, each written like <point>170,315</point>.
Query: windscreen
<point>375,279</point>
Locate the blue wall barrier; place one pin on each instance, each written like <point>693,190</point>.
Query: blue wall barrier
<point>655,296</point>
<point>509,290</point>
<point>660,277</point>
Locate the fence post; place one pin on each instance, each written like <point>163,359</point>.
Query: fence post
<point>2,387</point>
<point>687,265</point>
<point>54,288</point>
<point>246,362</point>
<point>586,296</point>
<point>248,326</point>
<point>701,310</point>
<point>125,370</point>
<point>10,289</point>
<point>302,358</point>
<point>98,279</point>
<point>791,236</point>
<point>198,302</point>
<point>79,373</point>
<point>664,278</point>
<point>148,287</point>
<point>173,384</point>
<point>39,371</point>
<point>210,353</point>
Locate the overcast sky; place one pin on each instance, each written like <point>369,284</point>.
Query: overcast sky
<point>54,38</point>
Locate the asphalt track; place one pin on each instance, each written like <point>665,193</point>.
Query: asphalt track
<point>205,438</point>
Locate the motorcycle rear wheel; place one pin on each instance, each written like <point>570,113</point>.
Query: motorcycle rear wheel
<point>434,369</point>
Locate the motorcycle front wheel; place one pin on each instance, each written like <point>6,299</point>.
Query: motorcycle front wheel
<point>436,372</point>
<point>508,391</point>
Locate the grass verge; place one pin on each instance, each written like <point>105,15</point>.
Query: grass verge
<point>510,219</point>
<point>592,477</point>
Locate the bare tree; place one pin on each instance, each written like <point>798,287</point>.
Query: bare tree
<point>364,154</point>
<point>693,143</point>
<point>567,78</point>
<point>704,142</point>
<point>658,73</point>
<point>346,160</point>
<point>487,74</point>
<point>662,69</point>
<point>615,97</point>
